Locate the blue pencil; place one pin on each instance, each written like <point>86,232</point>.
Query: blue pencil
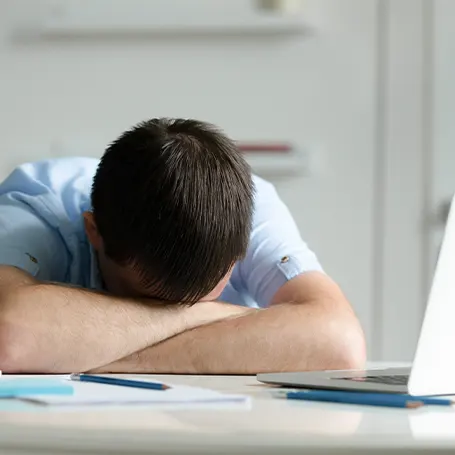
<point>369,399</point>
<point>119,382</point>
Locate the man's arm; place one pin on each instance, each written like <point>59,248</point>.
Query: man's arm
<point>309,326</point>
<point>47,328</point>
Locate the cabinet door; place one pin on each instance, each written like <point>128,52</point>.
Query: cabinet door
<point>404,127</point>
<point>442,163</point>
<point>420,174</point>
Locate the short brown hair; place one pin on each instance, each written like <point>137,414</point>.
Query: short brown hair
<point>174,199</point>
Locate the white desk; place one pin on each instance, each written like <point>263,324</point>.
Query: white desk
<point>268,426</point>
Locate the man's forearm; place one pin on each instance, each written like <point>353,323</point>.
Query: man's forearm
<point>284,337</point>
<point>48,328</point>
<point>52,329</point>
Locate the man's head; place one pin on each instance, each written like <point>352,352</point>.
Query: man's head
<point>172,210</point>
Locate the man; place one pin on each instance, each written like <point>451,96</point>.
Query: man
<point>167,256</point>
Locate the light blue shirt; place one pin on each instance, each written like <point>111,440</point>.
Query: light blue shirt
<point>42,232</point>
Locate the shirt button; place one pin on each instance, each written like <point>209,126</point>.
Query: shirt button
<point>284,259</point>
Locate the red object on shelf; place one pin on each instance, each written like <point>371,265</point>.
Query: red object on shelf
<point>266,147</point>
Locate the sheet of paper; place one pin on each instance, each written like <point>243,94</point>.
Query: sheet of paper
<point>86,393</point>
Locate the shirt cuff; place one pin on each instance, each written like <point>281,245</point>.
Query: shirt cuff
<point>16,257</point>
<point>284,270</point>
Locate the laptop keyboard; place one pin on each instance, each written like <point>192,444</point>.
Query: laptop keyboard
<point>396,379</point>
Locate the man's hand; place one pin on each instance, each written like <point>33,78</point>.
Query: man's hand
<point>309,326</point>
<point>47,328</point>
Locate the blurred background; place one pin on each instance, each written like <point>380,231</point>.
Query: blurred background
<point>345,105</point>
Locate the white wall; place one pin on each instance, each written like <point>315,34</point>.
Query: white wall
<point>318,91</point>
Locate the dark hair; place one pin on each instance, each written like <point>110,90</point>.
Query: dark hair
<point>173,198</point>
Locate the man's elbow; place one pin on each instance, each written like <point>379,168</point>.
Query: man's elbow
<point>17,345</point>
<point>340,346</point>
<point>351,352</point>
<point>12,350</point>
<point>346,348</point>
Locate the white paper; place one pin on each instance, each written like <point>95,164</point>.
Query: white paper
<point>86,393</point>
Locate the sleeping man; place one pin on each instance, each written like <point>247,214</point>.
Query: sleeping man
<point>165,256</point>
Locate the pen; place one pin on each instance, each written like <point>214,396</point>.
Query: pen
<point>119,382</point>
<point>369,399</point>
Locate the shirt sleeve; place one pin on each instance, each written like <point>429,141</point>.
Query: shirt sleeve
<point>28,242</point>
<point>277,253</point>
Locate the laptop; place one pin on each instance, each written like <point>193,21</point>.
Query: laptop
<point>433,368</point>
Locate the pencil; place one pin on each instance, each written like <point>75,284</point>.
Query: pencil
<point>386,400</point>
<point>119,382</point>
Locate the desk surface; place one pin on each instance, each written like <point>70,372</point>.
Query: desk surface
<point>266,426</point>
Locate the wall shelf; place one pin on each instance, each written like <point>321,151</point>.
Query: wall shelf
<point>275,165</point>
<point>81,18</point>
<point>265,163</point>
